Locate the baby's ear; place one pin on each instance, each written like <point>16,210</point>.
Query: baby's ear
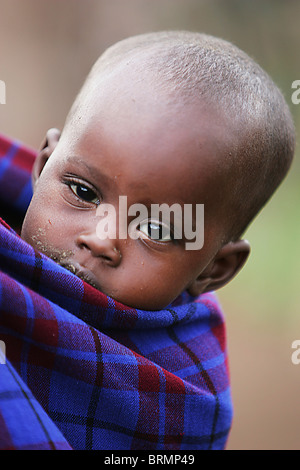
<point>47,147</point>
<point>225,265</point>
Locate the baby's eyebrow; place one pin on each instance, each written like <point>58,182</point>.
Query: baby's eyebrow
<point>94,172</point>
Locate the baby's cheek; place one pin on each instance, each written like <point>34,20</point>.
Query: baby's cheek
<point>34,224</point>
<point>30,223</point>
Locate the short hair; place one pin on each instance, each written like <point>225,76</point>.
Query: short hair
<point>196,65</point>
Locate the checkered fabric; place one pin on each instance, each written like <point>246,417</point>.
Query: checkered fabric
<point>86,372</point>
<point>24,425</point>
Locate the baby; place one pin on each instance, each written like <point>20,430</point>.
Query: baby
<point>164,118</point>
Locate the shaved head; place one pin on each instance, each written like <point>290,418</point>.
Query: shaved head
<point>190,68</point>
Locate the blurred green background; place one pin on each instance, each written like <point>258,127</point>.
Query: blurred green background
<point>46,49</point>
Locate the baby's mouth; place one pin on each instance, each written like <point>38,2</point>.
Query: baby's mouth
<point>83,273</point>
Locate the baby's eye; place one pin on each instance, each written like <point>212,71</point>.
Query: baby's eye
<point>84,193</point>
<point>156,231</point>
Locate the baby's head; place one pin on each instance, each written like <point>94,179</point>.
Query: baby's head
<point>171,118</point>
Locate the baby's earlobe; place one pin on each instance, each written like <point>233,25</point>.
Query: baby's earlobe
<point>222,269</point>
<point>197,287</point>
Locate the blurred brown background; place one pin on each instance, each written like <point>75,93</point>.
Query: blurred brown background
<point>46,50</point>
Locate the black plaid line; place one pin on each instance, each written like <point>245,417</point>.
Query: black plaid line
<point>95,396</point>
<point>28,398</point>
<point>204,374</point>
<point>192,441</point>
<point>37,270</point>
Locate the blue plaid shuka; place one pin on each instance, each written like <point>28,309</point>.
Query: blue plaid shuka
<point>83,371</point>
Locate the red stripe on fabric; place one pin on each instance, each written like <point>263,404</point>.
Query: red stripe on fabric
<point>14,322</point>
<point>174,429</point>
<point>93,297</point>
<point>24,157</point>
<point>174,384</point>
<point>219,333</point>
<point>5,145</point>
<point>149,380</point>
<point>45,331</point>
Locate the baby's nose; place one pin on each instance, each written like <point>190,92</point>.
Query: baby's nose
<point>102,248</point>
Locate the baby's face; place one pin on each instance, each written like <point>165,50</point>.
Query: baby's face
<point>125,143</point>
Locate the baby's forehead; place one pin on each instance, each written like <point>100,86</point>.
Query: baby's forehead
<point>161,137</point>
<point>155,160</point>
<point>128,90</point>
